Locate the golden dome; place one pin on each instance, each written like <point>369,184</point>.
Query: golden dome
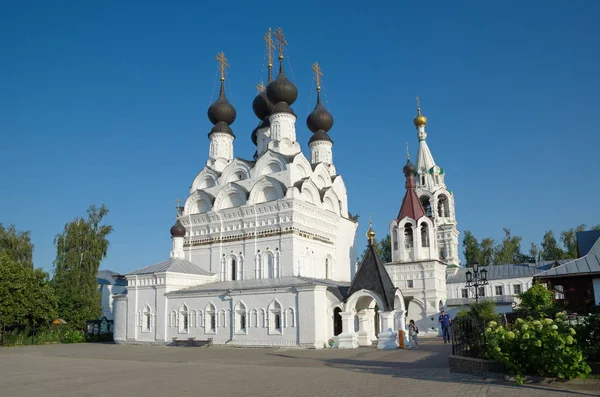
<point>420,120</point>
<point>370,233</point>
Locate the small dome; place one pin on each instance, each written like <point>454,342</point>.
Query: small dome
<point>320,135</point>
<point>420,120</point>
<point>409,168</point>
<point>262,106</point>
<point>281,89</point>
<point>319,118</point>
<point>221,110</point>
<point>282,107</point>
<point>177,230</point>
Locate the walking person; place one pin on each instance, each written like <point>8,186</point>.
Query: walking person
<point>413,331</point>
<point>445,322</point>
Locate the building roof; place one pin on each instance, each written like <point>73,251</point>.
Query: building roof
<point>174,265</point>
<point>262,283</point>
<point>108,277</point>
<point>499,272</point>
<point>373,276</point>
<point>588,264</point>
<point>585,241</point>
<point>411,205</point>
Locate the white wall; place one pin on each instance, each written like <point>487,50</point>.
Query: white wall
<point>507,284</point>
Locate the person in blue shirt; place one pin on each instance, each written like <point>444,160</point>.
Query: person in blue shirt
<point>445,322</point>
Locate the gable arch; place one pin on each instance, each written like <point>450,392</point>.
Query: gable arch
<point>198,202</point>
<point>269,163</point>
<point>339,187</point>
<point>310,193</point>
<point>321,176</point>
<point>235,171</point>
<point>331,202</point>
<point>205,179</point>
<point>232,195</point>
<point>302,167</point>
<point>266,189</point>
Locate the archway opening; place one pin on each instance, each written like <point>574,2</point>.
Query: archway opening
<point>337,321</point>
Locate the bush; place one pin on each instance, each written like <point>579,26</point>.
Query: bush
<point>484,310</point>
<point>538,302</point>
<point>588,337</point>
<point>537,347</point>
<point>73,336</point>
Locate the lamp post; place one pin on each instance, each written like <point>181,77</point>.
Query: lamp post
<point>476,279</point>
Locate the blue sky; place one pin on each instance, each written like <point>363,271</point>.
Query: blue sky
<point>105,102</point>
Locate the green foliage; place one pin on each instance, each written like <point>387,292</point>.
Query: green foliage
<point>550,249</point>
<point>509,250</point>
<point>483,310</point>
<point>537,302</point>
<point>26,297</point>
<point>73,336</point>
<point>383,247</point>
<point>79,251</point>
<point>472,251</point>
<point>17,245</point>
<point>47,335</point>
<point>487,251</point>
<point>588,337</point>
<point>537,347</point>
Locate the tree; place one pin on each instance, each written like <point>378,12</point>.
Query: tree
<point>383,248</point>
<point>17,245</point>
<point>569,240</point>
<point>26,296</point>
<point>509,250</point>
<point>534,252</point>
<point>472,250</point>
<point>487,251</point>
<point>550,249</point>
<point>537,302</point>
<point>79,251</point>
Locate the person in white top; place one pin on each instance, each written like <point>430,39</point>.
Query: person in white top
<point>413,332</point>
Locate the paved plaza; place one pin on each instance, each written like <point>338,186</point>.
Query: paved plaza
<point>109,370</point>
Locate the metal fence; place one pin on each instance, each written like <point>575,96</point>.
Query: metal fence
<point>468,337</point>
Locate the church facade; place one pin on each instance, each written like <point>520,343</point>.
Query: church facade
<point>262,248</point>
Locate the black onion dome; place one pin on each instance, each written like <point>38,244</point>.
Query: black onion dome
<point>320,118</point>
<point>177,230</point>
<point>262,106</point>
<point>281,89</point>
<point>221,110</point>
<point>320,135</point>
<point>409,168</point>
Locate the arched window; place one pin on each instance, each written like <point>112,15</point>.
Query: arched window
<point>443,206</point>
<point>211,319</point>
<point>395,238</point>
<point>233,268</point>
<point>422,179</point>
<point>426,205</point>
<point>240,317</point>
<point>291,322</point>
<point>424,235</point>
<point>243,322</point>
<point>183,318</point>
<point>275,316</point>
<point>327,268</point>
<point>408,236</point>
<point>269,264</point>
<point>258,266</point>
<point>147,319</point>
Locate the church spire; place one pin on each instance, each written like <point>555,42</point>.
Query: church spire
<point>411,205</point>
<point>320,121</point>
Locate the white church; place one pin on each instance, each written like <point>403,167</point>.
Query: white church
<point>263,249</point>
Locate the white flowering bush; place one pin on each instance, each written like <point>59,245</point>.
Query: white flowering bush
<point>545,347</point>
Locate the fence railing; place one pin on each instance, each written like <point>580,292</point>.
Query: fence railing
<point>468,337</point>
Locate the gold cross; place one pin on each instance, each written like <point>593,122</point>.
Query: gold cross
<point>281,41</point>
<point>260,87</point>
<point>318,74</point>
<point>223,64</point>
<point>270,46</point>
<point>407,152</point>
<point>178,202</point>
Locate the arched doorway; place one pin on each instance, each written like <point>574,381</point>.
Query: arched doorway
<point>337,321</point>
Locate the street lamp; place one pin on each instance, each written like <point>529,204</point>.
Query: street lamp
<point>476,279</point>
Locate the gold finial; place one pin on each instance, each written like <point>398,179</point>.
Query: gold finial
<point>270,46</point>
<point>420,120</point>
<point>260,87</point>
<point>318,74</point>
<point>178,202</point>
<point>370,232</point>
<point>407,152</point>
<point>222,64</point>
<point>281,42</point>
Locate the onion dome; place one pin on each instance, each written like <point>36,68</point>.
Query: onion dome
<point>281,89</point>
<point>177,230</point>
<point>370,232</point>
<point>262,106</point>
<point>221,113</point>
<point>320,135</point>
<point>320,118</point>
<point>420,120</point>
<point>409,168</point>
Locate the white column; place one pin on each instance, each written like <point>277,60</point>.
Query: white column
<point>348,338</point>
<point>387,337</point>
<point>364,336</point>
